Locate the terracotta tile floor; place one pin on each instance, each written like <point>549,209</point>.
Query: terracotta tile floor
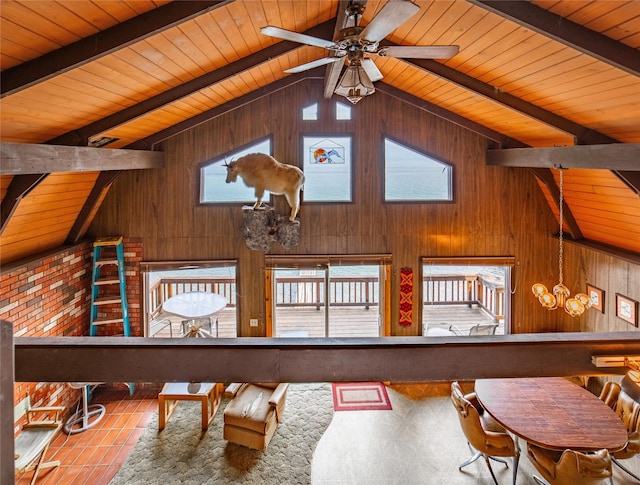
<point>95,455</point>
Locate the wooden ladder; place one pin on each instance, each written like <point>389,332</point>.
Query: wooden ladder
<point>103,284</point>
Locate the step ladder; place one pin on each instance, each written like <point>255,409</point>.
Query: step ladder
<point>108,283</point>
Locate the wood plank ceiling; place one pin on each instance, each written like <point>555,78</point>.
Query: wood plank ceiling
<point>529,74</point>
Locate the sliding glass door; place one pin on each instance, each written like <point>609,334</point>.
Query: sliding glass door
<point>321,298</point>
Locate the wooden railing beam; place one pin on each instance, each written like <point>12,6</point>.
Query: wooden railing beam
<point>396,359</point>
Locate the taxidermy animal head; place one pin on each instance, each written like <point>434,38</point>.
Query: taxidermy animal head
<point>263,172</point>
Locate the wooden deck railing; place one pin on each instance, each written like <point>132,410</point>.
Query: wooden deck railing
<point>485,292</point>
<point>164,288</point>
<point>308,291</point>
<point>343,291</point>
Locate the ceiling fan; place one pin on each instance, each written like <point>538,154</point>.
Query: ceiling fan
<point>352,44</point>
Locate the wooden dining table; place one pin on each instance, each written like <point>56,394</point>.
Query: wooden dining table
<point>552,413</point>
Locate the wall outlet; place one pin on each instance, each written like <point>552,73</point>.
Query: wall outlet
<point>253,322</point>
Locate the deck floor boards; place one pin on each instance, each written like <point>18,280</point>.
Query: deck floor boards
<point>346,321</point>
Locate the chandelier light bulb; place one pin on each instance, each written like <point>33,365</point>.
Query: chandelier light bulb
<point>539,289</point>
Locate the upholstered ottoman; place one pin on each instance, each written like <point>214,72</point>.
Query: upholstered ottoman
<point>252,416</point>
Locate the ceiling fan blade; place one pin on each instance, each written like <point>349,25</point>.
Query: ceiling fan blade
<point>420,51</point>
<point>371,69</point>
<point>331,78</point>
<point>392,15</point>
<point>312,64</point>
<point>296,37</point>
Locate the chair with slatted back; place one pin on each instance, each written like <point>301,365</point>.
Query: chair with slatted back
<point>477,329</point>
<point>33,441</point>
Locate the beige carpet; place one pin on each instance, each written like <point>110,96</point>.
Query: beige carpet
<point>180,454</point>
<point>419,442</point>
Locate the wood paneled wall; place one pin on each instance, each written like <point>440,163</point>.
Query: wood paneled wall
<point>497,211</point>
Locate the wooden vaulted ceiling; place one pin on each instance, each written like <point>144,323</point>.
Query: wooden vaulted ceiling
<point>529,76</point>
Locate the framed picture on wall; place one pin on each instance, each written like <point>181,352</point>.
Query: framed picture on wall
<point>596,295</point>
<point>627,309</point>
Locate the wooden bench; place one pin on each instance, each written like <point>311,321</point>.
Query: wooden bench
<point>33,441</point>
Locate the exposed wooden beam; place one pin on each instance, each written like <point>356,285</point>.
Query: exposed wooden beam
<point>26,158</point>
<point>18,188</point>
<point>91,205</point>
<point>102,43</point>
<point>567,32</point>
<point>81,136</point>
<point>546,177</point>
<point>582,134</point>
<point>150,141</point>
<point>408,359</point>
<point>6,399</point>
<point>631,179</point>
<point>419,103</point>
<point>614,156</point>
<point>613,251</point>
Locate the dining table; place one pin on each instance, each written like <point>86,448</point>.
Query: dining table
<point>552,413</point>
<point>192,305</point>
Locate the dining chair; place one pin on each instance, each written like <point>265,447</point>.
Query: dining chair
<point>192,327</point>
<point>477,329</point>
<point>158,324</point>
<point>624,399</point>
<point>484,435</point>
<point>570,467</point>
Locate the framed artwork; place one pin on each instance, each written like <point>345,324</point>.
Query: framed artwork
<point>596,295</point>
<point>627,309</point>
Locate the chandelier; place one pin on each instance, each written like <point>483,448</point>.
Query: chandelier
<point>560,297</point>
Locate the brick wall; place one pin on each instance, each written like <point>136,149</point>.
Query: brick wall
<point>50,296</point>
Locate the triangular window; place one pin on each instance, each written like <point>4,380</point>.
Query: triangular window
<point>410,175</point>
<point>213,175</point>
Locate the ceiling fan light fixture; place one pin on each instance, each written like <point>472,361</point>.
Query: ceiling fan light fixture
<point>355,83</point>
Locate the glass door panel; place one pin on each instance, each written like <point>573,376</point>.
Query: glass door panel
<point>299,302</point>
<point>328,301</point>
<point>354,309</point>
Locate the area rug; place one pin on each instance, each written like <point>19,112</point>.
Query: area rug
<point>181,454</point>
<point>358,396</point>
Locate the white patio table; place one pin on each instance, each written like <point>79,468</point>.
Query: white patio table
<point>193,305</point>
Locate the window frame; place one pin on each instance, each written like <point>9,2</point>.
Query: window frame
<point>409,146</point>
<point>351,171</point>
<point>509,262</point>
<point>201,179</point>
<point>148,267</point>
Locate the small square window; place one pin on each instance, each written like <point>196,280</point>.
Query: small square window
<point>310,113</point>
<point>343,111</point>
